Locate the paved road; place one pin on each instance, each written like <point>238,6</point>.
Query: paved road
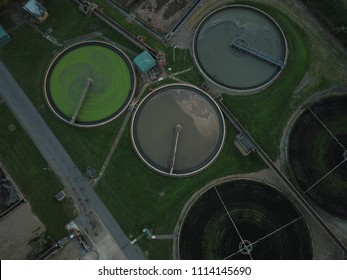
<point>60,162</point>
<point>281,175</point>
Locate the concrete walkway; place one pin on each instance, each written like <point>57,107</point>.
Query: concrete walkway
<point>95,181</point>
<point>60,162</point>
<point>112,150</point>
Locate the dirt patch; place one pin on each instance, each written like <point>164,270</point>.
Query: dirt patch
<point>162,15</point>
<point>17,231</point>
<point>70,251</point>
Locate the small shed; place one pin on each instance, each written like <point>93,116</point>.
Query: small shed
<point>60,196</point>
<point>90,172</point>
<point>148,233</point>
<point>4,38</point>
<point>144,61</point>
<point>38,11</point>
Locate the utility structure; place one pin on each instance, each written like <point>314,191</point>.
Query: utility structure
<point>177,130</point>
<point>87,7</point>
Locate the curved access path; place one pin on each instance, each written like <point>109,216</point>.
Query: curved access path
<point>61,163</point>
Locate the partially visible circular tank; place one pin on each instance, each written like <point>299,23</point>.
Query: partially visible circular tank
<point>317,153</point>
<point>239,48</point>
<point>178,130</point>
<point>243,219</point>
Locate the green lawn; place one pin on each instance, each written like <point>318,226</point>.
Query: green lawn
<point>111,86</point>
<point>180,60</point>
<point>157,249</point>
<point>192,76</point>
<point>131,190</point>
<point>26,166</point>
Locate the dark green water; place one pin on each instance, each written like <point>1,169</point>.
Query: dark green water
<point>216,59</point>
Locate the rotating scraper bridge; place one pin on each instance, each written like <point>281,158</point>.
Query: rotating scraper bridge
<point>89,84</point>
<point>177,129</point>
<point>241,46</point>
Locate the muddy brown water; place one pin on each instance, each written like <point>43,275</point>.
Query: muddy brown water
<point>200,139</point>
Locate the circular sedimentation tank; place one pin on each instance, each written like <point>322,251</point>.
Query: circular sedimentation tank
<point>178,130</point>
<point>243,219</point>
<point>317,153</point>
<point>89,83</point>
<point>239,48</point>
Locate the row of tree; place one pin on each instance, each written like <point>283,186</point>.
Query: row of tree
<point>333,14</point>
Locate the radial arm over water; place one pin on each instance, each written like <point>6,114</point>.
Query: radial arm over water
<point>177,129</point>
<point>90,82</point>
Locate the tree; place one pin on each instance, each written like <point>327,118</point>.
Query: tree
<point>3,3</point>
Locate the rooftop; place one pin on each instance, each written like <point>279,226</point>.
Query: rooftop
<point>4,38</point>
<point>145,61</point>
<point>34,8</point>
